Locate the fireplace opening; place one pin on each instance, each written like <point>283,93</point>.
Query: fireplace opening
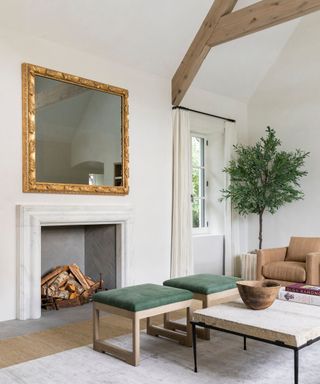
<point>76,261</point>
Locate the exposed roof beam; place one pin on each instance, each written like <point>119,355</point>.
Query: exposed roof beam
<point>259,16</point>
<point>198,50</point>
<point>220,26</point>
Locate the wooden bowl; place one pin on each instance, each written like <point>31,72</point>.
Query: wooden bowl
<point>258,294</point>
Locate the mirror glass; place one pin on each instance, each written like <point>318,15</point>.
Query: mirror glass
<point>75,134</point>
<point>78,134</point>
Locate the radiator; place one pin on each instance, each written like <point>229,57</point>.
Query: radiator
<point>248,266</point>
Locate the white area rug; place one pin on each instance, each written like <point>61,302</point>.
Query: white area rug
<point>221,361</point>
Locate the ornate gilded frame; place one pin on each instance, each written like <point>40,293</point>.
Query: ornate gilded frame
<point>29,71</point>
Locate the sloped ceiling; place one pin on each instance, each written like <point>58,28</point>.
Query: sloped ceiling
<point>150,35</point>
<point>236,69</point>
<point>294,77</point>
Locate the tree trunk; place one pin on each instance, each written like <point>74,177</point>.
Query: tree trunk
<point>260,229</point>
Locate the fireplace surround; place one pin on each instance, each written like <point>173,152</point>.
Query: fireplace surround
<point>30,219</point>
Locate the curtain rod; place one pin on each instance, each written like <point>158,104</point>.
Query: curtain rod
<point>204,113</point>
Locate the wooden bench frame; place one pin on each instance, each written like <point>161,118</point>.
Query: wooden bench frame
<point>133,357</point>
<point>207,301</point>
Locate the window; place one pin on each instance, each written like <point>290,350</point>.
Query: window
<point>198,196</point>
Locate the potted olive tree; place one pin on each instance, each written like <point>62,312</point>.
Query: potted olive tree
<point>263,178</point>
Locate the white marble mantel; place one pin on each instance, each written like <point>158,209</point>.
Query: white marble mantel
<point>30,219</point>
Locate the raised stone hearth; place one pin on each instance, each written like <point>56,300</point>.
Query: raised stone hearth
<point>30,220</point>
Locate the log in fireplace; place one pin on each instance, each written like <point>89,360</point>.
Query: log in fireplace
<point>66,286</point>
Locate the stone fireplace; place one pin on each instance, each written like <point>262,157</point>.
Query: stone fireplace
<point>36,219</point>
<point>93,248</point>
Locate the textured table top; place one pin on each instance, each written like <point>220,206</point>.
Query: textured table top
<point>291,323</point>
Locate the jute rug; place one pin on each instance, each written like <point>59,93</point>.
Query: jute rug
<point>221,361</point>
<point>35,345</point>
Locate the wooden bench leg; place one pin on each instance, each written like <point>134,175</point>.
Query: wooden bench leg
<point>184,334</point>
<point>174,326</point>
<point>205,334</point>
<point>136,340</point>
<point>166,320</point>
<point>149,326</point>
<point>131,357</point>
<point>96,325</point>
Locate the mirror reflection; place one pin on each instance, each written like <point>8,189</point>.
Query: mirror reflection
<point>78,134</point>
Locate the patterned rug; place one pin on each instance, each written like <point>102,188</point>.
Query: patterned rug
<point>221,361</point>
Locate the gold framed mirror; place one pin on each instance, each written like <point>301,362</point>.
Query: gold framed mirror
<point>75,134</point>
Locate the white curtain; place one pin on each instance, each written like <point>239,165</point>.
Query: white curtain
<point>181,248</point>
<point>231,219</point>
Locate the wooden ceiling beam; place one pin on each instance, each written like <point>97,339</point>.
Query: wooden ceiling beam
<point>259,16</point>
<point>221,26</point>
<point>198,50</point>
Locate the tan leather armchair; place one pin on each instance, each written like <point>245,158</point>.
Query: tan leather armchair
<point>297,263</point>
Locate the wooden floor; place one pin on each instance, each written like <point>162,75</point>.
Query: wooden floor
<point>39,344</point>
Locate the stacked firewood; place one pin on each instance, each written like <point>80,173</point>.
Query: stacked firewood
<point>67,286</point>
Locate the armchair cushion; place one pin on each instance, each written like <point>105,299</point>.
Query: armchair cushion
<point>313,268</point>
<point>299,247</point>
<point>265,256</point>
<point>285,270</point>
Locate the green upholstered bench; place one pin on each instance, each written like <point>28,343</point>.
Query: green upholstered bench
<point>209,289</point>
<point>136,303</point>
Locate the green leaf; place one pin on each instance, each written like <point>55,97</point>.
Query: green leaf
<point>263,178</point>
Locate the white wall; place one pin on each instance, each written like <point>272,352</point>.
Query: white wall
<point>208,253</point>
<point>218,105</point>
<point>289,101</point>
<point>150,157</point>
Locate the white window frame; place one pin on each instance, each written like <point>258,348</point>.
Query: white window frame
<point>203,229</point>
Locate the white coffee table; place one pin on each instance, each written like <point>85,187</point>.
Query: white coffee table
<point>285,324</point>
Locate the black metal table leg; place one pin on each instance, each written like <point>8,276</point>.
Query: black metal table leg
<point>245,337</point>
<point>296,366</point>
<point>245,343</point>
<point>194,346</point>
